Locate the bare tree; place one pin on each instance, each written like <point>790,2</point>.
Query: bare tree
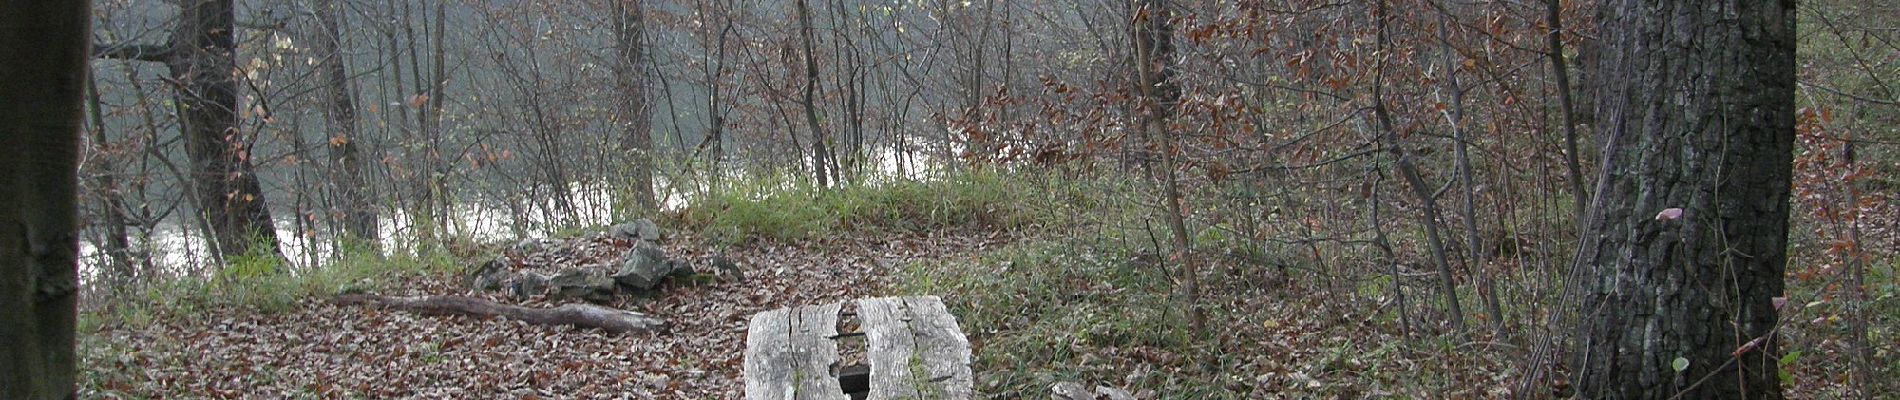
<point>200,56</point>
<point>1154,59</point>
<point>1408,170</point>
<point>346,162</point>
<point>1461,148</point>
<point>104,182</point>
<point>822,168</point>
<point>1560,69</point>
<point>635,113</point>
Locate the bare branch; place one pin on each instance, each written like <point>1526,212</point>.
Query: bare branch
<point>133,51</point>
<point>1838,92</point>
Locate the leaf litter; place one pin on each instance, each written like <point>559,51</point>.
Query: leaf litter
<point>322,350</point>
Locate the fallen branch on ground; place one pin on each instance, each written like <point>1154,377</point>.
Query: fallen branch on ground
<point>581,315</point>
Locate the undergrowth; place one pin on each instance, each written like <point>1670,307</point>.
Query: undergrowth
<point>783,207</point>
<point>1071,310</point>
<point>261,284</point>
<point>1084,294</point>
<point>1033,306</point>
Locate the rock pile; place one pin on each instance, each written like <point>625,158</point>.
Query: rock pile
<point>624,261</point>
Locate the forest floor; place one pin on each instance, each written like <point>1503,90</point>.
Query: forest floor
<point>1052,281</point>
<point>320,350</point>
<point>1038,310</point>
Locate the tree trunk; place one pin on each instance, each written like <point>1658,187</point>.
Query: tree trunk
<point>1559,69</point>
<point>229,195</point>
<point>438,88</point>
<point>637,142</point>
<point>46,47</point>
<point>1698,108</point>
<point>1430,217</point>
<point>346,165</point>
<point>715,106</point>
<point>1847,227</point>
<point>1461,150</point>
<point>1409,172</point>
<point>117,244</point>
<point>1154,66</point>
<point>820,154</point>
<point>149,154</point>
<point>1391,258</point>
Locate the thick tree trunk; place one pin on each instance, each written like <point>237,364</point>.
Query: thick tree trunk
<point>1698,107</point>
<point>228,192</point>
<point>637,142</point>
<point>581,315</point>
<point>346,165</point>
<point>43,76</point>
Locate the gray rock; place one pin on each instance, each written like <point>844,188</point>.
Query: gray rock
<point>489,275</point>
<point>724,268</point>
<point>643,267</point>
<point>639,230</point>
<point>1070,391</point>
<point>530,246</point>
<point>586,284</point>
<point>528,284</point>
<point>1110,393</point>
<point>681,268</point>
<point>1077,391</point>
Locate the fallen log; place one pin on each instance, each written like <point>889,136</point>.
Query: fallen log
<point>581,315</point>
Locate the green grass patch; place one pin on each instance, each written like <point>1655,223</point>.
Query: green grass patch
<point>785,207</point>
<point>1036,308</point>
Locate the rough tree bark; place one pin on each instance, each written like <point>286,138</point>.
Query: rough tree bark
<point>43,76</point>
<point>1697,105</point>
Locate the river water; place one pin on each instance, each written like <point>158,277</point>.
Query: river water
<point>178,248</point>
